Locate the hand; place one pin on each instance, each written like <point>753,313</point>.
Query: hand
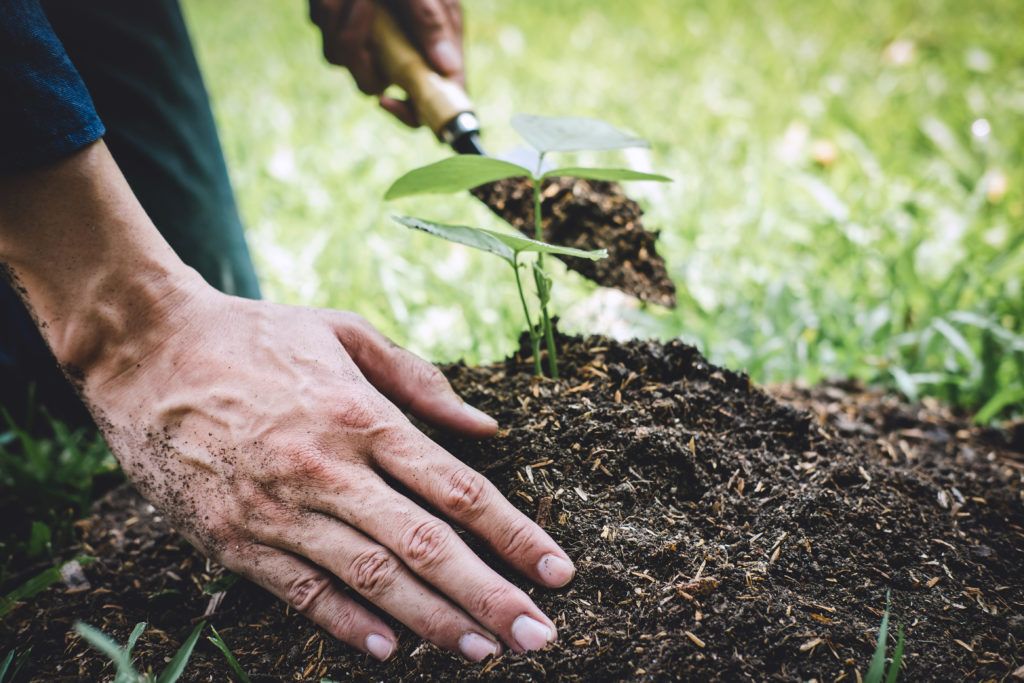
<point>270,435</point>
<point>434,25</point>
<point>266,432</point>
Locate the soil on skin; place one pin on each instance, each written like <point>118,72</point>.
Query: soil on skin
<point>720,533</point>
<point>590,214</point>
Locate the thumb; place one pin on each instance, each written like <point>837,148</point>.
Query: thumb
<point>407,380</point>
<point>430,23</point>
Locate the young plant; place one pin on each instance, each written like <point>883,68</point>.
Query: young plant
<point>876,669</point>
<point>232,661</point>
<point>11,665</point>
<point>122,656</point>
<point>546,135</point>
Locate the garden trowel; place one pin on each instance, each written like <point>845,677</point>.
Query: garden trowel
<point>577,213</point>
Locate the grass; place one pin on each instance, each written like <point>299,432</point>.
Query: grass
<point>877,669</point>
<point>849,180</point>
<point>121,657</point>
<point>49,475</point>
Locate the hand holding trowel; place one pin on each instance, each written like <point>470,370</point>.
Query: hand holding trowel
<point>578,213</point>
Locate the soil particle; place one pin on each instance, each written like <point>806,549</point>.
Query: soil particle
<point>590,214</point>
<point>719,532</point>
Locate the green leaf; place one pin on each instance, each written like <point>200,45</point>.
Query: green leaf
<point>180,660</point>
<point>39,539</point>
<point>134,637</point>
<point>102,642</point>
<point>498,243</point>
<point>6,664</point>
<point>37,584</point>
<point>556,134</point>
<point>220,584</point>
<point>612,174</point>
<point>1004,398</point>
<point>897,658</point>
<point>229,656</point>
<point>876,669</point>
<point>454,174</point>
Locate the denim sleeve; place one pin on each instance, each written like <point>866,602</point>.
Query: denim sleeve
<point>46,112</point>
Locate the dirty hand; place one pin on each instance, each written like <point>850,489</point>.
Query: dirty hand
<point>435,27</point>
<point>273,437</point>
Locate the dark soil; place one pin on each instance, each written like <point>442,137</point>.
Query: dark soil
<point>720,533</point>
<point>590,214</point>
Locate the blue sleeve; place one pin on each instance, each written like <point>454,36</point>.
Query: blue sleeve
<point>46,112</point>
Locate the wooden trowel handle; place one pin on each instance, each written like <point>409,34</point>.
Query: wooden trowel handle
<point>437,100</point>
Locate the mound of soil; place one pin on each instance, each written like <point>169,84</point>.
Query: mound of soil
<point>720,533</point>
<point>589,214</point>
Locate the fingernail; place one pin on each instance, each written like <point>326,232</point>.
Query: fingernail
<point>445,56</point>
<point>478,415</point>
<point>530,633</point>
<point>475,647</point>
<point>555,571</point>
<point>379,646</point>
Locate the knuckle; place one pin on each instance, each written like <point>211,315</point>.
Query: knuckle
<point>343,620</point>
<point>356,415</point>
<point>304,590</point>
<point>491,601</point>
<point>309,463</point>
<point>426,543</point>
<point>436,623</point>
<point>428,374</point>
<point>517,539</point>
<point>467,493</point>
<point>428,16</point>
<point>374,572</point>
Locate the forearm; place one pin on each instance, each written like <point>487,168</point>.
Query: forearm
<point>88,262</point>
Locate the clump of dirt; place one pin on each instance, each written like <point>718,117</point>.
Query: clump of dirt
<point>720,533</point>
<point>589,214</point>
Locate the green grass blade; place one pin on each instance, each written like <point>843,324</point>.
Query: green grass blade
<point>102,642</point>
<point>37,584</point>
<point>228,655</point>
<point>609,174</point>
<point>572,134</point>
<point>134,637</point>
<point>454,174</point>
<point>180,660</point>
<point>897,658</point>
<point>995,405</point>
<point>876,669</point>
<point>6,664</point>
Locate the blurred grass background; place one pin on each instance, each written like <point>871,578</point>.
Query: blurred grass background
<point>848,197</point>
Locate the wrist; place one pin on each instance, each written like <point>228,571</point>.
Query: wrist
<point>93,270</point>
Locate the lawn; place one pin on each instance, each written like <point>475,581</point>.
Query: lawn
<point>848,197</point>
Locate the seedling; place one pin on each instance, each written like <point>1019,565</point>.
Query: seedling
<point>546,135</point>
<point>876,669</point>
<point>232,661</point>
<point>122,656</point>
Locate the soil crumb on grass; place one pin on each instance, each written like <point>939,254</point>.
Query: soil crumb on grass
<point>720,533</point>
<point>590,214</point>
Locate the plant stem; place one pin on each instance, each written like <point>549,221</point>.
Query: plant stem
<point>534,336</point>
<point>543,291</point>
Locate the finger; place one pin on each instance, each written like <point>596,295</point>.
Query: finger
<point>402,110</point>
<point>407,380</point>
<point>313,593</point>
<point>382,579</point>
<point>435,553</point>
<point>465,496</point>
<point>347,44</point>
<point>431,27</point>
